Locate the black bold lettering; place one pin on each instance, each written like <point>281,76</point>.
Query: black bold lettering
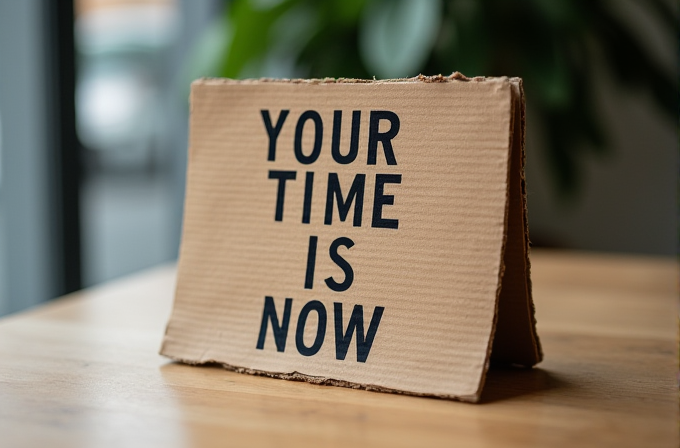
<point>356,195</point>
<point>318,136</point>
<point>273,131</point>
<point>317,306</point>
<point>342,264</point>
<point>280,331</point>
<point>311,262</point>
<point>356,323</point>
<point>375,136</point>
<point>380,199</point>
<point>307,203</point>
<point>354,140</point>
<point>282,176</point>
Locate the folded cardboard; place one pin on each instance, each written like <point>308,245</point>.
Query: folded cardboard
<point>368,234</point>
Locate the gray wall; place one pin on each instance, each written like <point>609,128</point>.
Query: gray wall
<point>26,277</point>
<point>629,200</point>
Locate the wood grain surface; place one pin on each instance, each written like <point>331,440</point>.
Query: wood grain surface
<point>83,371</point>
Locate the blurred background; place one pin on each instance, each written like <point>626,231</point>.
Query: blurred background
<point>93,113</point>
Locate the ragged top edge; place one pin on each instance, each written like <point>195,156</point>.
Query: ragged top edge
<point>453,77</point>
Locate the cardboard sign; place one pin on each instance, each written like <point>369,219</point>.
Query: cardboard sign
<point>357,233</point>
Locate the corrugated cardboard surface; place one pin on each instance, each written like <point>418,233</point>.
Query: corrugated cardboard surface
<point>437,276</point>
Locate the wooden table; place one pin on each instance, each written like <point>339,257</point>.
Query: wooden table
<point>84,371</point>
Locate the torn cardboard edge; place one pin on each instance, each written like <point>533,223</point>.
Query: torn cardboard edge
<point>514,301</point>
<point>453,77</point>
<point>513,339</point>
<point>323,381</point>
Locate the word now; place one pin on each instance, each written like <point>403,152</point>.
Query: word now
<point>364,341</point>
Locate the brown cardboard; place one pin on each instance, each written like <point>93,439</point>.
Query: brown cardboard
<point>452,278</point>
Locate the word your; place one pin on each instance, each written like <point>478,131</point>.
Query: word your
<point>374,136</point>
